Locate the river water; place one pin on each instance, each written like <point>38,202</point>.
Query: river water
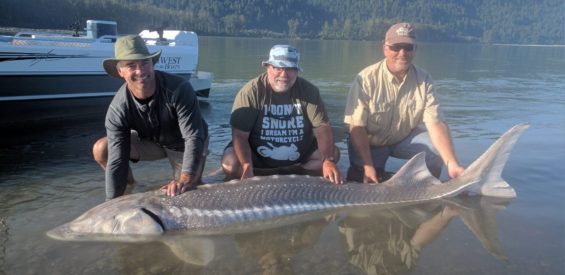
<point>47,178</point>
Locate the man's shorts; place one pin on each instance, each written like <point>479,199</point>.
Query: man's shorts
<point>417,141</point>
<point>261,163</point>
<point>149,150</point>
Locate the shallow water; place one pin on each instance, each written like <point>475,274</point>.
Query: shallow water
<point>47,177</point>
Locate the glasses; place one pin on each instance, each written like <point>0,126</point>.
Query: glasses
<point>281,69</point>
<point>398,47</point>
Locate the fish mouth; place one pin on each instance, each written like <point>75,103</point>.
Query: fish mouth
<point>62,232</point>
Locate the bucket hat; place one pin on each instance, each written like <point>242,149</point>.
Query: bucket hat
<point>283,56</point>
<point>129,47</point>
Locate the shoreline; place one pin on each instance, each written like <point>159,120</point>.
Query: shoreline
<point>527,45</point>
<point>10,31</point>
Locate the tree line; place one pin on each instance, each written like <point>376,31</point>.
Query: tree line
<point>484,21</point>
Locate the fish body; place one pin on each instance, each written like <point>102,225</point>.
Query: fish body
<point>219,206</point>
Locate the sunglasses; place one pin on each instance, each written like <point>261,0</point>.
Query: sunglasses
<point>405,47</point>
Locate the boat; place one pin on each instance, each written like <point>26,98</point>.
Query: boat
<point>46,75</point>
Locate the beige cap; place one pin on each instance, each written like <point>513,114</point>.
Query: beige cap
<point>400,33</point>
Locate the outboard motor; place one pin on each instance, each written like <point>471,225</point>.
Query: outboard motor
<point>98,28</point>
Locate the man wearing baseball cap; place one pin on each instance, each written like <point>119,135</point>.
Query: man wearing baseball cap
<point>280,125</point>
<point>154,115</point>
<point>391,110</point>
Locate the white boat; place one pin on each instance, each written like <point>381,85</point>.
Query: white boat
<point>42,70</point>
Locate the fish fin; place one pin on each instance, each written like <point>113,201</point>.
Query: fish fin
<point>490,164</point>
<point>413,171</point>
<point>198,251</point>
<point>479,215</point>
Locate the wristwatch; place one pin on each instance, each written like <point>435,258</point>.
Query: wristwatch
<point>329,159</point>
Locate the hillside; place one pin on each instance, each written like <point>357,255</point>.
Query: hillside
<point>485,21</point>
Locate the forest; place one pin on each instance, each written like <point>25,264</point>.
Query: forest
<point>475,21</point>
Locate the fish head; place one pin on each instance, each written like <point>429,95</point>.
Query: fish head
<point>125,216</point>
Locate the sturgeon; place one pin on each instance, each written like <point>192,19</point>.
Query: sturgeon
<point>220,207</point>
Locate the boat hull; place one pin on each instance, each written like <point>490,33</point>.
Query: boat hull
<point>51,77</point>
<point>29,99</point>
<point>21,115</point>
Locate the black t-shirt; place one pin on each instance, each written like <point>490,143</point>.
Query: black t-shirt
<point>280,123</point>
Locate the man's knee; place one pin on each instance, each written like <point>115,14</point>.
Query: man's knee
<point>230,163</point>
<point>354,173</point>
<point>100,150</point>
<point>434,163</point>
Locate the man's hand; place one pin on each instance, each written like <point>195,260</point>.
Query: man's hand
<point>369,174</point>
<point>331,172</point>
<point>177,187</point>
<point>247,171</point>
<point>454,170</point>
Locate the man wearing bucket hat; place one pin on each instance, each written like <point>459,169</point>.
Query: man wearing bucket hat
<point>391,110</point>
<point>154,115</point>
<point>279,124</point>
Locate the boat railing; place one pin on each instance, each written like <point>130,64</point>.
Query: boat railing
<point>170,38</point>
<point>157,41</point>
<point>48,39</point>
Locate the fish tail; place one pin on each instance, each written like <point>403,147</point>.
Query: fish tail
<point>488,167</point>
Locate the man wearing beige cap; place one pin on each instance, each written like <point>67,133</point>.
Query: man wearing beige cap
<point>279,124</point>
<point>391,110</point>
<point>154,115</point>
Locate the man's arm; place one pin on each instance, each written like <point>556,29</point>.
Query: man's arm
<point>118,162</point>
<point>242,150</point>
<point>194,131</point>
<point>360,140</point>
<point>118,135</point>
<point>430,229</point>
<point>441,138</point>
<point>324,137</point>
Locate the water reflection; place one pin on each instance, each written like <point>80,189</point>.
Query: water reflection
<point>3,241</point>
<point>372,240</point>
<point>391,241</point>
<point>48,177</point>
<point>274,249</point>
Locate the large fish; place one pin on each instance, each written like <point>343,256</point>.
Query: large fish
<point>232,206</point>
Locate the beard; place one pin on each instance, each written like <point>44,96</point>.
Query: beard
<point>282,84</point>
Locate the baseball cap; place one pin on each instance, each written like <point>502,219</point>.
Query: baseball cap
<point>400,33</point>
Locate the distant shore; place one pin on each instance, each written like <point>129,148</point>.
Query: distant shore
<point>14,30</point>
<point>527,45</point>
